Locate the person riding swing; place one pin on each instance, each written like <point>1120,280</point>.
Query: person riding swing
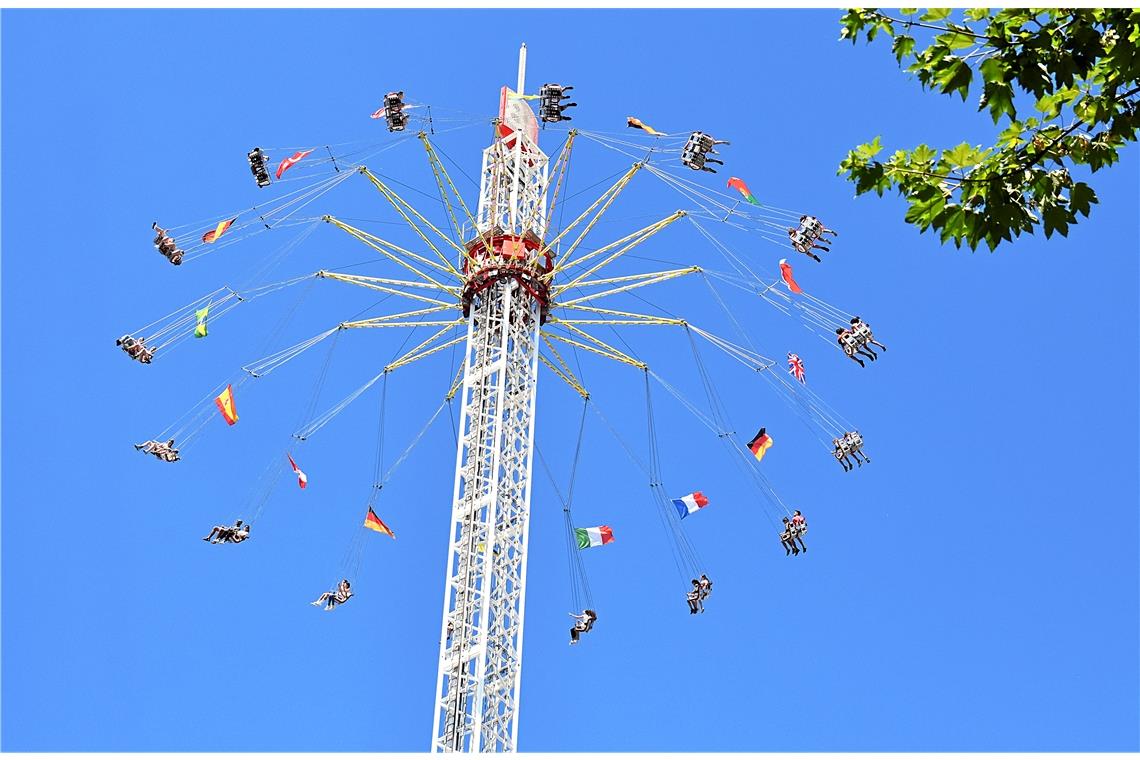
<point>332,598</point>
<point>583,623</point>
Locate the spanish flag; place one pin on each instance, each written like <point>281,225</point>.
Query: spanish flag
<point>760,444</point>
<point>225,402</point>
<point>218,231</point>
<point>372,522</point>
<point>630,121</point>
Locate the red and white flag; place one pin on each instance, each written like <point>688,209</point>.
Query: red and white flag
<point>786,273</point>
<point>796,367</point>
<point>302,478</point>
<point>285,165</point>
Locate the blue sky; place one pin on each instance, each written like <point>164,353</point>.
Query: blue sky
<point>975,588</point>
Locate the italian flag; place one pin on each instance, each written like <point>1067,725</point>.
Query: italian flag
<point>598,536</point>
<point>736,183</point>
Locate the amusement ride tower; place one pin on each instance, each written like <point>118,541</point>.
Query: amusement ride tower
<point>505,298</point>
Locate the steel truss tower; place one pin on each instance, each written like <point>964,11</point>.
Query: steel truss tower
<point>505,298</point>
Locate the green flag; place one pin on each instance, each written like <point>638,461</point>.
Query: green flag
<point>200,328</point>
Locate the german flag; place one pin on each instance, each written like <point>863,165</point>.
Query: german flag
<point>372,522</point>
<point>760,444</point>
<point>218,231</point>
<point>225,402</point>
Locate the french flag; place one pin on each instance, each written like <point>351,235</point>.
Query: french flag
<point>687,505</point>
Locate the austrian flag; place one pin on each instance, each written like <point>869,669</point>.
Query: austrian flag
<point>302,478</point>
<point>598,536</point>
<point>687,505</point>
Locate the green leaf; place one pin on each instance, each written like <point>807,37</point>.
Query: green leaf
<point>935,14</point>
<point>959,156</point>
<point>993,69</point>
<point>956,76</point>
<point>923,154</point>
<point>1081,198</point>
<point>998,96</point>
<point>1056,220</point>
<point>902,47</point>
<point>871,149</point>
<point>956,40</point>
<point>908,11</point>
<point>977,14</point>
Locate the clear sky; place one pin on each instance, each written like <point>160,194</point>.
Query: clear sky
<point>974,588</point>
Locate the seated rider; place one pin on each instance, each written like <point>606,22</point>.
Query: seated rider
<point>164,451</point>
<point>851,346</point>
<point>694,598</point>
<point>705,586</point>
<point>841,453</point>
<point>854,444</point>
<point>863,331</point>
<point>803,243</point>
<point>228,533</point>
<point>787,539</point>
<point>815,229</point>
<point>584,623</point>
<point>797,529</point>
<point>132,346</point>
<point>332,598</point>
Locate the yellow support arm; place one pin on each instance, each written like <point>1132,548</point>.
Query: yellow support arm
<point>441,175</point>
<point>639,237</point>
<point>402,315</point>
<point>400,205</point>
<point>381,246</point>
<point>365,283</point>
<point>422,350</point>
<point>605,350</point>
<point>456,383</point>
<point>561,166</point>
<point>653,279</point>
<point>566,379</point>
<point>607,197</point>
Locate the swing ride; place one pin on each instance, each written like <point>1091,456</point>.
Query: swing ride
<point>513,287</point>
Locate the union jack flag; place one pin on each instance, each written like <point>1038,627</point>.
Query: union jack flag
<point>796,367</point>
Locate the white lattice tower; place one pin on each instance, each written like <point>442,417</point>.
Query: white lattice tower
<point>505,300</point>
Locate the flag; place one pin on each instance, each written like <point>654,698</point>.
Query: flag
<point>218,231</point>
<point>687,505</point>
<point>786,273</point>
<point>520,96</point>
<point>760,444</point>
<point>200,328</point>
<point>639,124</point>
<point>225,402</point>
<point>598,536</point>
<point>796,367</point>
<point>302,478</point>
<point>372,522</point>
<point>738,184</point>
<point>285,165</point>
